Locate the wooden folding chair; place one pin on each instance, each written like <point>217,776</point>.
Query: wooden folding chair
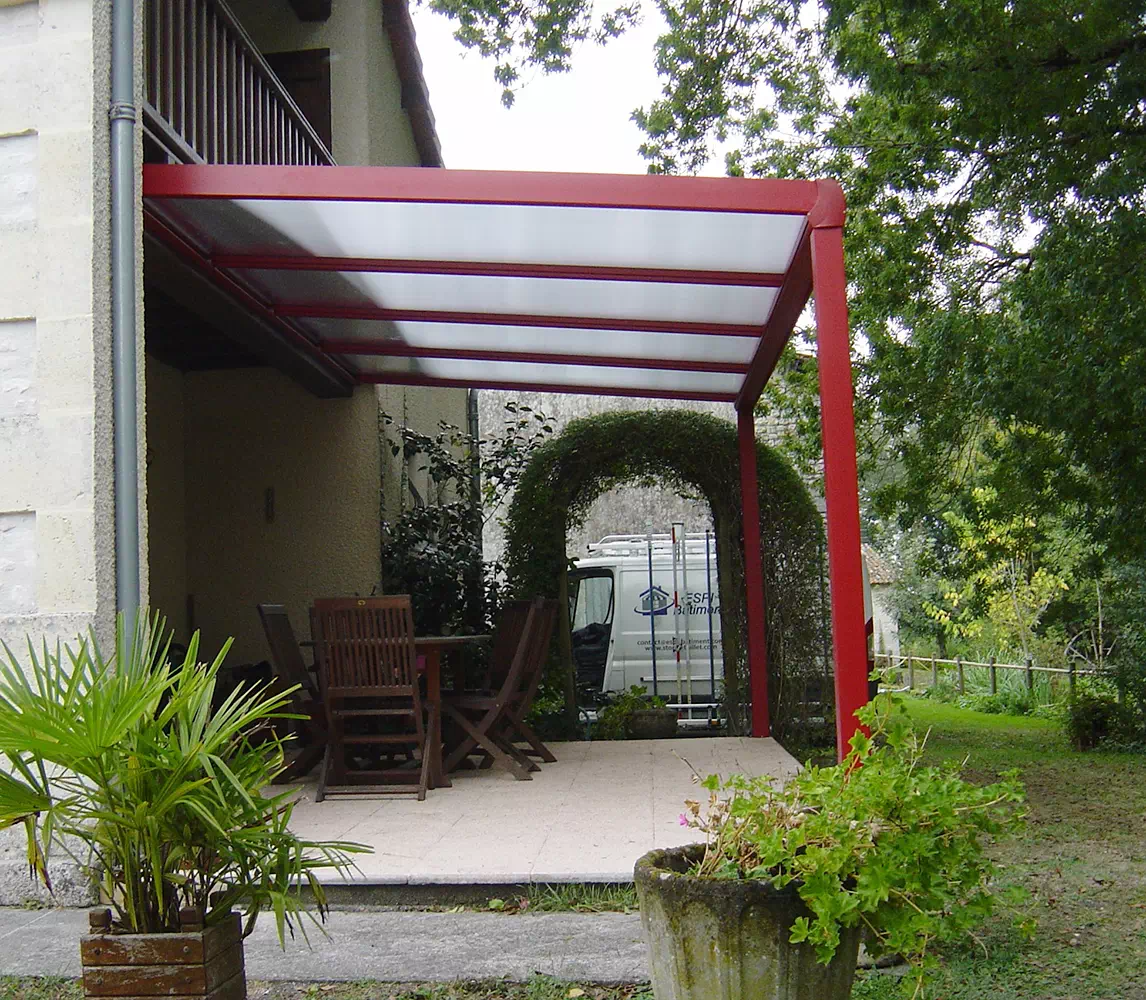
<point>514,728</point>
<point>482,716</point>
<point>369,680</point>
<point>291,670</point>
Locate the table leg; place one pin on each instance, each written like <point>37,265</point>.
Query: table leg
<point>438,777</point>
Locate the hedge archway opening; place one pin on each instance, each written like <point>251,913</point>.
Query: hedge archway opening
<point>693,453</point>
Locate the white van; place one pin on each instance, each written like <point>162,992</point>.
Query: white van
<point>645,610</point>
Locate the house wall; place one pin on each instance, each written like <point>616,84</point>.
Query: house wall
<point>56,535</point>
<point>368,125</point>
<point>885,624</point>
<point>253,430</point>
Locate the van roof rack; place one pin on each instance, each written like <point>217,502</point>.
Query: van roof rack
<point>622,545</point>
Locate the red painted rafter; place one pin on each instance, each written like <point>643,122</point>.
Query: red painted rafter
<point>481,187</point>
<point>320,311</point>
<point>399,349</point>
<point>411,378</point>
<point>790,302</point>
<point>496,269</point>
<point>181,246</point>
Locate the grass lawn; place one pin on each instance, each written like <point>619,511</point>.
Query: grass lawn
<point>1082,858</point>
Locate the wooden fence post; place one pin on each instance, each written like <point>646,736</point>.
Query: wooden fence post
<point>1070,676</point>
<point>934,672</point>
<point>1030,675</point>
<point>959,667</point>
<point>910,673</point>
<point>994,677</point>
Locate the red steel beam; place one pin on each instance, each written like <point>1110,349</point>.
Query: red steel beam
<point>480,187</point>
<point>237,290</point>
<point>496,269</point>
<point>753,573</point>
<point>845,569</point>
<point>786,311</point>
<point>411,378</point>
<point>322,311</point>
<point>397,349</point>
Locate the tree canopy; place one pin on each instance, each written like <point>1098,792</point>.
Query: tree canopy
<point>993,156</point>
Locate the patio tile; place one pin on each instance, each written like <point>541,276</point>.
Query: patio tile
<point>587,817</point>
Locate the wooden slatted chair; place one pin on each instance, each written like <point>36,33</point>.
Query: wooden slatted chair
<point>485,717</point>
<point>515,729</point>
<point>369,679</point>
<point>291,670</point>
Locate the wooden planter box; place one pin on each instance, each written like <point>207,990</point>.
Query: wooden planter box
<point>196,962</point>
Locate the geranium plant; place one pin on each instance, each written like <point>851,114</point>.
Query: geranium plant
<point>125,765</point>
<point>879,840</point>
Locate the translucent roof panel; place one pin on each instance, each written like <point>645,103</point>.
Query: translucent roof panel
<point>677,286</point>
<point>486,296</point>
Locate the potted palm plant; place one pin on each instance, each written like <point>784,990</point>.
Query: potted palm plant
<point>122,764</point>
<point>773,903</point>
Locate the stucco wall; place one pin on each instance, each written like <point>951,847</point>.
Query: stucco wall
<point>251,430</point>
<point>50,369</point>
<point>56,542</point>
<point>368,125</point>
<point>885,623</point>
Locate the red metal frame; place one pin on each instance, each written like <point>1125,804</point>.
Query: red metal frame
<point>320,311</point>
<point>753,572</point>
<point>498,269</point>
<point>586,389</point>
<point>482,187</point>
<point>845,568</point>
<point>400,349</point>
<point>818,261</point>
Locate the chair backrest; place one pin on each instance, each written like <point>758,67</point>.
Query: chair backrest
<point>537,652</point>
<point>507,634</point>
<point>365,646</point>
<point>285,653</point>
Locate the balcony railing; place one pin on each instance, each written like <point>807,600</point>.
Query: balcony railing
<point>210,97</point>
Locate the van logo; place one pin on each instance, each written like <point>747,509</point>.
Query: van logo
<point>655,601</point>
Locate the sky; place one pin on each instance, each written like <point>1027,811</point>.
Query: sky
<point>577,121</point>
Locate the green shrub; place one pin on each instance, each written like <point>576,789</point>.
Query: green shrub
<point>944,691</point>
<point>613,720</point>
<point>1095,718</point>
<point>1003,703</point>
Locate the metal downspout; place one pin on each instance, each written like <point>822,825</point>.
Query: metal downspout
<point>122,113</point>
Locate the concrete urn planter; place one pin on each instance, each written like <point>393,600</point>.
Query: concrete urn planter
<point>728,940</point>
<point>204,963</point>
<point>652,724</point>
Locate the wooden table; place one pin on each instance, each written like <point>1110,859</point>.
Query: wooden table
<point>431,647</point>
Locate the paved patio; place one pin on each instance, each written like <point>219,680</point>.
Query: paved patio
<point>586,818</point>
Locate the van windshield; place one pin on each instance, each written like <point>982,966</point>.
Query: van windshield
<point>594,601</point>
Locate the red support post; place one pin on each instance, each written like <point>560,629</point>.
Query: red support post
<point>753,572</point>
<point>845,569</point>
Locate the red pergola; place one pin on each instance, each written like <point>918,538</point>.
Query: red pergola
<point>664,287</point>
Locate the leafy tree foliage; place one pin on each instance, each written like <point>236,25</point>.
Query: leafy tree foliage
<point>992,152</point>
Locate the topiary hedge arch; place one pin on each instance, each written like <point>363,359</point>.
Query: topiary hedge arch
<point>697,453</point>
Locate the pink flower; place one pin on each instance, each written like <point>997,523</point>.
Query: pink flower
<point>683,819</point>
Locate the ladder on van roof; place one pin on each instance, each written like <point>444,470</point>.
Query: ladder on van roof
<point>627,545</point>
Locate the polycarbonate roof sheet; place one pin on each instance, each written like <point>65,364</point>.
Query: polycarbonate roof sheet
<point>640,285</point>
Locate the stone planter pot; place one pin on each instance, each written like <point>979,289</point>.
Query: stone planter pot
<point>722,940</point>
<point>196,963</point>
<point>652,724</point>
